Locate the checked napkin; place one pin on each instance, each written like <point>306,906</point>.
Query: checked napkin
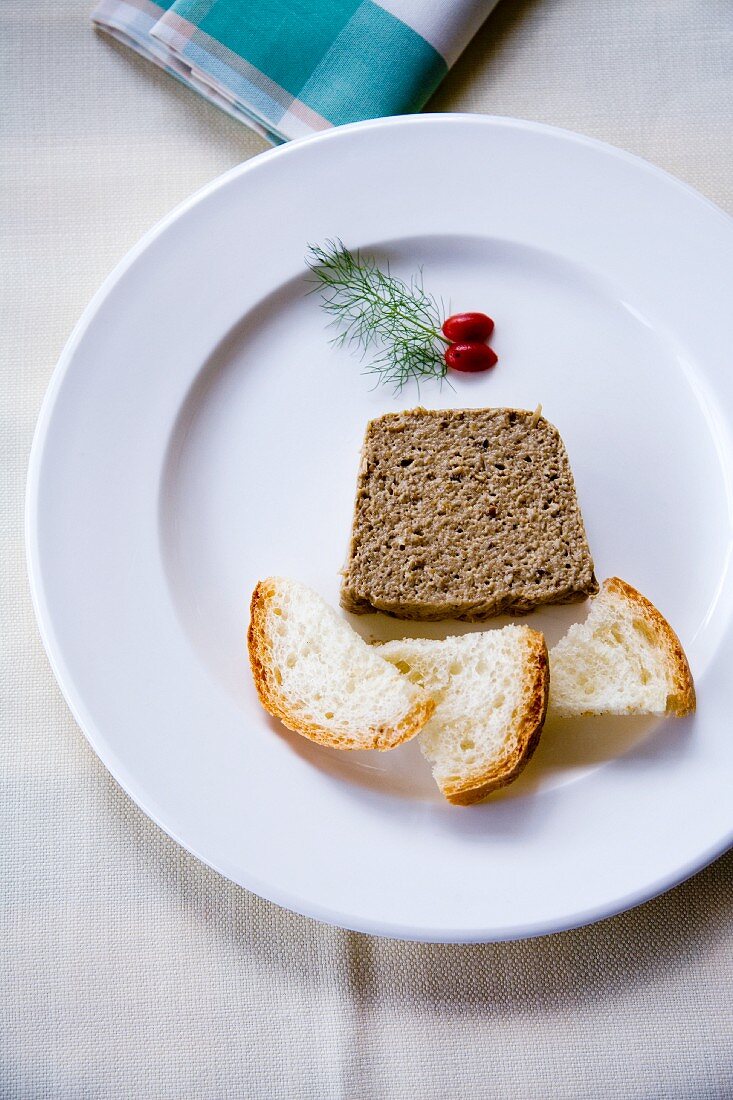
<point>291,67</point>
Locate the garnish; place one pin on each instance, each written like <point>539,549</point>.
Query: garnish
<point>399,321</point>
<point>470,357</point>
<point>465,328</point>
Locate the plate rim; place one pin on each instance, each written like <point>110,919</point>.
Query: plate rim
<point>53,648</point>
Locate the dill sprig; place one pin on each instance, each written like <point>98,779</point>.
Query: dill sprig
<point>375,310</point>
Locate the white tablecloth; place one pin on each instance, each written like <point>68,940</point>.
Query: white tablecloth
<point>129,970</point>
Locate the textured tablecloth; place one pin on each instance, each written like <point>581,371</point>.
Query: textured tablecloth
<point>129,970</point>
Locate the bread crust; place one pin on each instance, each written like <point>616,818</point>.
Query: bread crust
<point>528,727</point>
<point>260,657</point>
<point>681,701</point>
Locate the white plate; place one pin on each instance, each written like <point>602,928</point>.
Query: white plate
<point>199,433</point>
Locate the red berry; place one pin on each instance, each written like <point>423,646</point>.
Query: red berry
<point>470,357</point>
<point>464,328</point>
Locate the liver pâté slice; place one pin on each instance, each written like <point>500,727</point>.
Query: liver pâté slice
<point>465,514</point>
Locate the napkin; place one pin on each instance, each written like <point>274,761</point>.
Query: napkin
<point>291,67</point>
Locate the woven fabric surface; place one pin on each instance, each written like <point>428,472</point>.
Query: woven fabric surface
<point>127,968</point>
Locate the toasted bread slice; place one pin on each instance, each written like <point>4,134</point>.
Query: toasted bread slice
<point>491,692</point>
<point>624,659</point>
<point>315,674</point>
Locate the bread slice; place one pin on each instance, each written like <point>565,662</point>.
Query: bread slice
<point>466,514</point>
<point>315,674</point>
<point>624,659</point>
<point>491,692</point>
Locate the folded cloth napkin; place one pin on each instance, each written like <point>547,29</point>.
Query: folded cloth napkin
<point>290,67</point>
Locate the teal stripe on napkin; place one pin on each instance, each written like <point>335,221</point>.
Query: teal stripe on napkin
<point>342,88</point>
<point>284,40</point>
